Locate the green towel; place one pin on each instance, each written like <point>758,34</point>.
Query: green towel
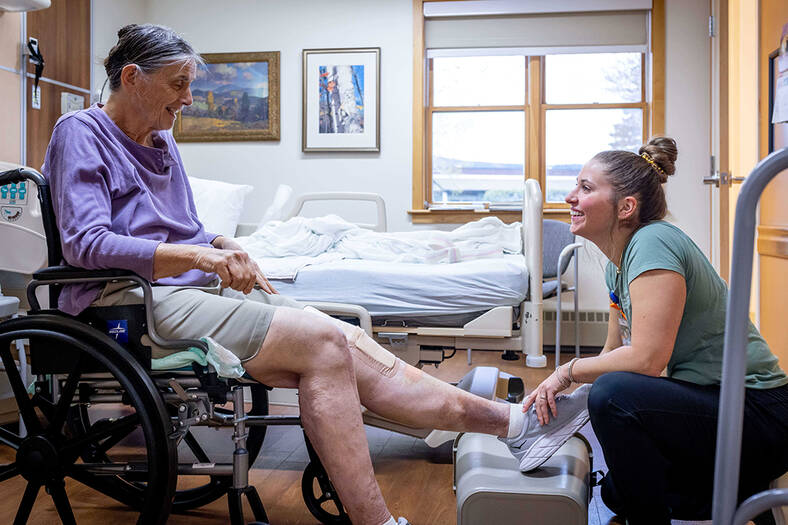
<point>225,362</point>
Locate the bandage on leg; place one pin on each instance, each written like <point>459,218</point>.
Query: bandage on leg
<point>363,346</point>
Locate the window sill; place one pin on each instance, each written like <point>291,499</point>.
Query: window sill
<point>463,216</point>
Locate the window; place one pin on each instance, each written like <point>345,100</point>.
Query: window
<point>493,120</point>
<point>477,123</point>
<point>592,102</point>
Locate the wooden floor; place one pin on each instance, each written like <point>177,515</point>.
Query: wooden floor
<point>415,479</point>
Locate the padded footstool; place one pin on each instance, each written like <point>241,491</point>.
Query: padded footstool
<point>491,489</point>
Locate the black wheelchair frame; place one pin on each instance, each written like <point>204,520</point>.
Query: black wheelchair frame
<point>84,377</point>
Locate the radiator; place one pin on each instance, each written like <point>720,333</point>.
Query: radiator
<point>593,328</point>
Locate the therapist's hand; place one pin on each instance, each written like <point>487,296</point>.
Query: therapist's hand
<point>543,396</point>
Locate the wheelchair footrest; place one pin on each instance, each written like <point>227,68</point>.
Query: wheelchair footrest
<point>491,489</point>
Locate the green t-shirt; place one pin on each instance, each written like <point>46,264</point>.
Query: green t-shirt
<point>697,354</point>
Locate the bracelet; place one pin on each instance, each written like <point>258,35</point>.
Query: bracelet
<point>569,369</point>
<point>565,383</point>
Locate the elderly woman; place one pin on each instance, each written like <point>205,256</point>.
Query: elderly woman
<point>122,200</point>
<point>667,313</point>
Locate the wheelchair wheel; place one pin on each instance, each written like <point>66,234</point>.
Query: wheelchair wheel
<point>321,498</point>
<point>133,435</point>
<point>190,451</point>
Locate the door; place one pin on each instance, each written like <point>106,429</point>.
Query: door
<point>772,240</point>
<point>63,34</point>
<point>719,164</point>
<point>734,118</point>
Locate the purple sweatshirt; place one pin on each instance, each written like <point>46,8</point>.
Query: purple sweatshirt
<point>115,200</point>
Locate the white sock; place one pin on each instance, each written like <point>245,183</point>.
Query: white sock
<point>390,521</point>
<point>516,420</point>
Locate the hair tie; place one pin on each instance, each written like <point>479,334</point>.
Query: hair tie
<point>648,159</point>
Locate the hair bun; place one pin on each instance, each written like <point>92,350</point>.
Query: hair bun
<point>123,31</point>
<point>663,152</point>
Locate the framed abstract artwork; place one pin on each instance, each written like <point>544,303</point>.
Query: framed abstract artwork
<point>341,99</point>
<point>236,97</point>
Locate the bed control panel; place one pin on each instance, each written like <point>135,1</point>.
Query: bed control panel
<point>21,229</point>
<point>14,193</point>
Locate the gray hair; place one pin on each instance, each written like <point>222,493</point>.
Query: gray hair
<point>150,47</point>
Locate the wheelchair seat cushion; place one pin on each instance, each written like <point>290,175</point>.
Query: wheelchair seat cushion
<point>236,322</point>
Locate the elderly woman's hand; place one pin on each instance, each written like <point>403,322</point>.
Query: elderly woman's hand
<point>226,243</point>
<point>543,396</point>
<point>234,267</point>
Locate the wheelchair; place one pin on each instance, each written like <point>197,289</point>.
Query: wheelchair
<point>97,414</point>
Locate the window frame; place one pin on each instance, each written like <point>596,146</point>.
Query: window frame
<point>535,163</point>
<point>432,109</point>
<point>544,107</point>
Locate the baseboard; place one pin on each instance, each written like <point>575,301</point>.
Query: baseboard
<point>593,328</point>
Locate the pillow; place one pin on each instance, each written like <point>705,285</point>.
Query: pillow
<point>219,204</point>
<point>276,210</point>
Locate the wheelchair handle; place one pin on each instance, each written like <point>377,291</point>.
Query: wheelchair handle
<point>22,174</point>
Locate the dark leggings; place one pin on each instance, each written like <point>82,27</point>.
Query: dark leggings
<point>658,436</point>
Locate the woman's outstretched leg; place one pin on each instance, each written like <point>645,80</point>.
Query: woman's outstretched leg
<point>403,393</point>
<point>407,395</point>
<point>312,355</point>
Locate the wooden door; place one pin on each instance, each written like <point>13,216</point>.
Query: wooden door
<point>63,33</point>
<point>773,221</point>
<point>717,178</point>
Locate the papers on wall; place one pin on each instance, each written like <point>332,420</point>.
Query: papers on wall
<point>780,113</point>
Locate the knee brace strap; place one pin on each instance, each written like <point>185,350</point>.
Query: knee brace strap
<point>362,345</point>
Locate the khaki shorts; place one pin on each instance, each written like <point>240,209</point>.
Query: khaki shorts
<point>236,321</point>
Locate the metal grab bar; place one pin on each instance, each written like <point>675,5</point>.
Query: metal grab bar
<point>731,414</point>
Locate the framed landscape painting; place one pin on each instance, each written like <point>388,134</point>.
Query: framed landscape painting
<point>236,97</point>
<point>341,99</point>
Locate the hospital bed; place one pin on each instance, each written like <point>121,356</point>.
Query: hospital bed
<point>424,312</point>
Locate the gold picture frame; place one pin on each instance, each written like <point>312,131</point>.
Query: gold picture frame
<point>235,98</point>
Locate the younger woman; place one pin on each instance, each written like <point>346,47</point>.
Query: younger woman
<point>667,314</point>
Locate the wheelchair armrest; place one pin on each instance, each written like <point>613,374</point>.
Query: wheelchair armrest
<point>70,274</point>
<point>57,273</point>
<point>351,310</point>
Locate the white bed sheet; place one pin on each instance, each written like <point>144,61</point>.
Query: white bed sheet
<point>389,288</point>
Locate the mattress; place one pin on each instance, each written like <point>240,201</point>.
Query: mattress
<point>395,291</point>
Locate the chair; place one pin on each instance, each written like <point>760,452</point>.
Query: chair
<point>100,416</point>
<point>559,248</point>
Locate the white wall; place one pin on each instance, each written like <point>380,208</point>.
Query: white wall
<point>688,115</point>
<point>109,16</point>
<point>289,27</point>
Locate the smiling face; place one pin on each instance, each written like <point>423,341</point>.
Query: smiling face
<point>164,92</point>
<point>593,212</point>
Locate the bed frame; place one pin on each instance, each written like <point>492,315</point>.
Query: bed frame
<point>497,329</point>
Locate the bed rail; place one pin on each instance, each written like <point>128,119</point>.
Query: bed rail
<point>380,205</point>
<point>731,414</point>
<point>532,311</point>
